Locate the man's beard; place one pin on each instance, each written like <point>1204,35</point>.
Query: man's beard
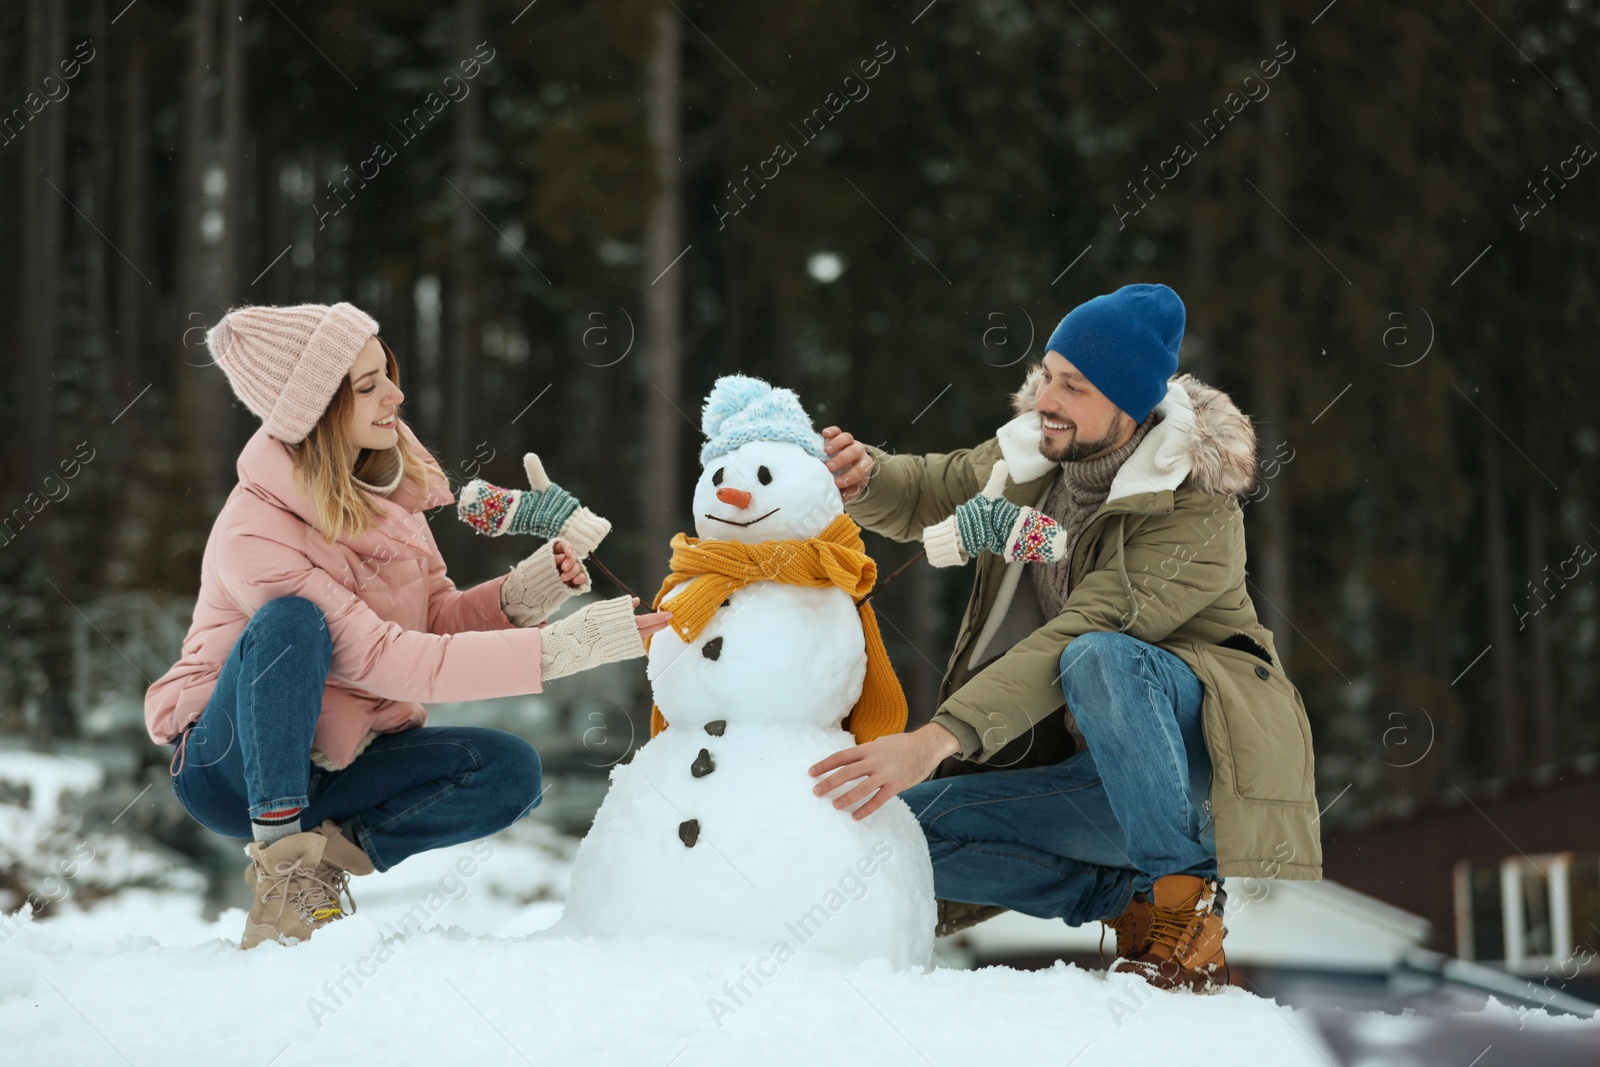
<point>1076,450</point>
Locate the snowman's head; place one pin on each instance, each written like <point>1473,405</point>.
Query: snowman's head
<point>765,491</point>
<point>764,473</point>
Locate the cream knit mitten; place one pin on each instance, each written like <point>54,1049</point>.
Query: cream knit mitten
<point>602,632</point>
<point>534,590</point>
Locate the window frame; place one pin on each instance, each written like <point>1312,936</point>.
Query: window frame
<point>1556,869</point>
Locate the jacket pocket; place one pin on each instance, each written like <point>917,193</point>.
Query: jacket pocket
<point>1266,732</point>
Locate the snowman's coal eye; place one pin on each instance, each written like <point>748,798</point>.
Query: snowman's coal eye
<point>764,475</point>
<point>716,477</point>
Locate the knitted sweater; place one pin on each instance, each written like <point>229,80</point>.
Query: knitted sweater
<point>1081,486</point>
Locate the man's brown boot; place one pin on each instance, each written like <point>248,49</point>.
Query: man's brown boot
<point>1133,929</point>
<point>1185,947</point>
<point>297,882</point>
<point>954,916</point>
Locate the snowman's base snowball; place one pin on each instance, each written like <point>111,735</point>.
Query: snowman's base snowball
<point>772,864</point>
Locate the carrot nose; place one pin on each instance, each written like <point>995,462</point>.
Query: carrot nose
<point>737,497</point>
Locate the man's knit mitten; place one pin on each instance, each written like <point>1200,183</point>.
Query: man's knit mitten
<point>1035,538</point>
<point>602,632</point>
<point>545,510</point>
<point>991,523</point>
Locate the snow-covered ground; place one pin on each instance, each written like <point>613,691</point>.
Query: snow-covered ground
<point>448,960</point>
<point>143,979</point>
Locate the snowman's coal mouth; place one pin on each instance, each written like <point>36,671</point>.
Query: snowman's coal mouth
<point>752,522</point>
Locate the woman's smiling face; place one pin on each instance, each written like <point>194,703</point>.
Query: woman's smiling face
<point>373,416</point>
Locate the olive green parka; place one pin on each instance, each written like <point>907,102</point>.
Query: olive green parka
<point>1163,559</point>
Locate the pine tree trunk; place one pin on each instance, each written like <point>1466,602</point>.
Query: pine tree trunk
<point>922,688</point>
<point>1271,554</point>
<point>112,392</point>
<point>232,153</point>
<point>43,185</point>
<point>1507,754</point>
<point>204,397</point>
<point>660,505</point>
<point>11,333</point>
<point>1201,248</point>
<point>235,154</point>
<point>132,290</point>
<point>1538,633</point>
<point>468,247</point>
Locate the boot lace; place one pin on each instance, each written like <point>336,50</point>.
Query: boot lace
<point>313,892</point>
<point>1173,927</point>
<point>1177,927</point>
<point>338,883</point>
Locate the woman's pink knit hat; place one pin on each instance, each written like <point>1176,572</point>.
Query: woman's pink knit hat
<point>286,363</point>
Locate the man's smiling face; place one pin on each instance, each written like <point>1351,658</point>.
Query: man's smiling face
<point>1079,422</point>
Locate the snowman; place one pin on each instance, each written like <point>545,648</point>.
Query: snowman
<point>712,829</point>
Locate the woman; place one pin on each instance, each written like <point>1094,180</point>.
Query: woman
<point>325,616</point>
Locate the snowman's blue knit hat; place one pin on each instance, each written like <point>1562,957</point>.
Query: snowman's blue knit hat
<point>741,409</point>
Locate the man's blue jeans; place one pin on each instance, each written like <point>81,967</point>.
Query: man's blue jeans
<point>250,752</point>
<point>1076,839</point>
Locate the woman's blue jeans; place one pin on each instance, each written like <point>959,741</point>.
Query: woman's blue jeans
<point>249,752</point>
<point>1074,840</point>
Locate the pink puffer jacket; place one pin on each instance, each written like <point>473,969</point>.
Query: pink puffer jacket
<point>402,632</point>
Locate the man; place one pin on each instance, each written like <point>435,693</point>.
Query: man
<point>1139,738</point>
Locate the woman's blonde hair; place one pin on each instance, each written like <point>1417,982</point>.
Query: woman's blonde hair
<point>327,462</point>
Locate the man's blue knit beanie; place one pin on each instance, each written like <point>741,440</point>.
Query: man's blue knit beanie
<point>1126,343</point>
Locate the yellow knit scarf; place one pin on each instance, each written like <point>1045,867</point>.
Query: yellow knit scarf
<point>836,556</point>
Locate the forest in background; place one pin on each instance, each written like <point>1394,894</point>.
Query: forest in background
<point>569,219</point>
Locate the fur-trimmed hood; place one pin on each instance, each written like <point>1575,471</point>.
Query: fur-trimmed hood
<point>1200,434</point>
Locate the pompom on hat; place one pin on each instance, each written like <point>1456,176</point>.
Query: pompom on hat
<point>286,363</point>
<point>742,409</point>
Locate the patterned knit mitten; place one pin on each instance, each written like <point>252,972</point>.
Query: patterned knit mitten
<point>545,509</point>
<point>991,523</point>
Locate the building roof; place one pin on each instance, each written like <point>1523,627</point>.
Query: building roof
<point>1313,925</point>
